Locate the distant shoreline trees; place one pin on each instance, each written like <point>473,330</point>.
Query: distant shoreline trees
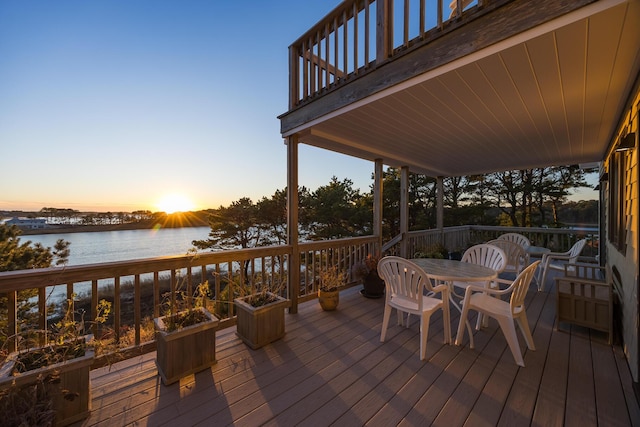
<point>532,197</point>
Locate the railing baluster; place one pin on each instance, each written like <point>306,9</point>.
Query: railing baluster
<point>116,308</point>
<point>12,320</point>
<point>42,318</point>
<point>137,311</point>
<point>356,64</point>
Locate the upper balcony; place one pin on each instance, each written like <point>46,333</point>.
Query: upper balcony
<point>450,88</point>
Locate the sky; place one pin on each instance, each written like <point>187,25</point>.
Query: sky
<point>120,105</point>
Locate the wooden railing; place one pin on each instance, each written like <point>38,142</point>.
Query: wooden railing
<point>141,289</point>
<point>459,238</point>
<point>360,35</point>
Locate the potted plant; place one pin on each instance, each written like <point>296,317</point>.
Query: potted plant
<point>50,384</point>
<point>330,281</point>
<point>437,251</point>
<point>372,283</point>
<point>260,317</point>
<point>186,338</point>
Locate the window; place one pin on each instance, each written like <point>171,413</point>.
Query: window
<point>617,200</point>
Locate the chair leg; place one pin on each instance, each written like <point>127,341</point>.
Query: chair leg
<point>461,325</point>
<point>509,331</point>
<point>543,279</point>
<point>446,318</point>
<point>401,318</point>
<point>424,333</point>
<point>523,324</point>
<point>385,322</point>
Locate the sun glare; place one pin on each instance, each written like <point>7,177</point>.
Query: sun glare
<point>172,203</point>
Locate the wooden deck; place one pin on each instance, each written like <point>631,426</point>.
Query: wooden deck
<point>331,369</point>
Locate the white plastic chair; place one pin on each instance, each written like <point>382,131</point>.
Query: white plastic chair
<point>517,257</point>
<point>507,313</point>
<point>405,284</point>
<point>486,255</point>
<point>517,239</point>
<point>547,262</point>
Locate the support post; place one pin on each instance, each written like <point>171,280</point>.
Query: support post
<point>440,207</point>
<point>377,202</point>
<point>404,209</point>
<point>293,281</point>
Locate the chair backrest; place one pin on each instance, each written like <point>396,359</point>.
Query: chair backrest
<point>403,279</point>
<point>520,286</point>
<point>575,250</point>
<point>516,255</point>
<point>487,255</point>
<point>516,238</point>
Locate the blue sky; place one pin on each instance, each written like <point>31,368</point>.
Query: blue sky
<point>110,105</point>
<point>113,104</point>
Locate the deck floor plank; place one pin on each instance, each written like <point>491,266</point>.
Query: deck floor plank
<point>331,369</point>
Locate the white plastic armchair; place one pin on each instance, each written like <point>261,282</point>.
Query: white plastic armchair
<point>409,290</point>
<point>516,238</point>
<point>486,255</point>
<point>507,313</point>
<point>548,261</point>
<point>517,257</point>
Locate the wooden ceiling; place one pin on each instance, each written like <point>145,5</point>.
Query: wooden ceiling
<point>552,95</point>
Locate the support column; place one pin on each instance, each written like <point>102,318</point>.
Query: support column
<point>440,206</point>
<point>293,281</point>
<point>404,209</point>
<point>377,202</point>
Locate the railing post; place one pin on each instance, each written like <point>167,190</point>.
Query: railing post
<point>292,222</point>
<point>294,77</point>
<point>384,30</point>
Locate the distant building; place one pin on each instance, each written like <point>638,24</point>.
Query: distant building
<point>28,223</point>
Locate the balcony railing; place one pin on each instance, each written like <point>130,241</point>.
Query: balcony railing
<point>138,289</point>
<point>360,35</point>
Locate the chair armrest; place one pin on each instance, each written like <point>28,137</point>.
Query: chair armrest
<point>471,288</point>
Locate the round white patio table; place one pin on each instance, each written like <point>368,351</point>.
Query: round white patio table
<point>452,271</point>
<point>537,251</point>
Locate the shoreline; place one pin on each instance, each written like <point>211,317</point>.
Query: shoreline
<point>170,221</point>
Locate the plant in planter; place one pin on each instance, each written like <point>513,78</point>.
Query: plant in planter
<point>436,250</point>
<point>260,317</point>
<point>330,280</point>
<point>186,337</point>
<point>372,283</point>
<point>50,384</point>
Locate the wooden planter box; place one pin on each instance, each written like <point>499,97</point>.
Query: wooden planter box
<point>585,298</point>
<point>187,350</point>
<point>71,394</point>
<point>259,326</point>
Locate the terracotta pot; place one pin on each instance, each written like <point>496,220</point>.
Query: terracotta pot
<point>329,299</point>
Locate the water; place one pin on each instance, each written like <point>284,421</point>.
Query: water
<point>107,246</point>
<point>124,245</point>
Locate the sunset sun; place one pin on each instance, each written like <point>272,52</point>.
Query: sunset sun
<point>172,203</point>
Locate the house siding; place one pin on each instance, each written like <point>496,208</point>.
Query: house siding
<point>625,263</point>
